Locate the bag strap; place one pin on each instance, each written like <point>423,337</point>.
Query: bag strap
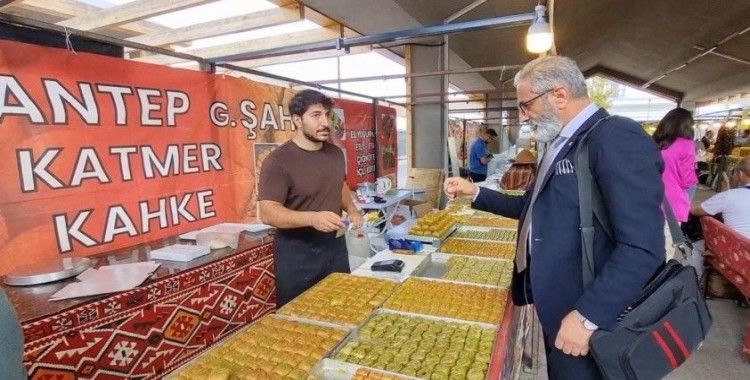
<point>674,227</point>
<point>591,204</point>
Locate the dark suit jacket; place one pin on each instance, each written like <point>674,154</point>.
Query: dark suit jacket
<point>626,165</point>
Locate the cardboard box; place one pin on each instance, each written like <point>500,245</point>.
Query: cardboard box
<point>417,208</point>
<point>428,180</point>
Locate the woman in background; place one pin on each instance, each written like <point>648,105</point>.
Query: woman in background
<point>674,136</point>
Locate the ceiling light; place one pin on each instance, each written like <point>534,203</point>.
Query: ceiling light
<point>539,37</point>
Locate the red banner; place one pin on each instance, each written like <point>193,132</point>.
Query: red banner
<point>102,153</point>
<point>369,153</point>
<point>387,142</point>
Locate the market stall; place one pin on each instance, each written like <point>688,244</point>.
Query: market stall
<point>446,314</point>
<point>112,160</point>
<point>107,159</point>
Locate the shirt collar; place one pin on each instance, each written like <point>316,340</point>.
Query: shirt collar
<point>573,125</point>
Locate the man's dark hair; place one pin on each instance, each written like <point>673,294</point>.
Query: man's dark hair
<point>724,142</point>
<point>491,132</point>
<point>676,123</point>
<point>306,98</point>
<point>744,165</point>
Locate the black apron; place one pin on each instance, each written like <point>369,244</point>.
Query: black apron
<point>304,256</point>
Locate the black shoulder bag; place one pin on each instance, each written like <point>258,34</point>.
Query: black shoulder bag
<point>670,319</point>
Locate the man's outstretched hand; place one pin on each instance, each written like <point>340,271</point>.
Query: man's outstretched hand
<point>459,187</point>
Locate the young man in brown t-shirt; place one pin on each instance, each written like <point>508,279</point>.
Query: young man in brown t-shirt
<point>302,193</point>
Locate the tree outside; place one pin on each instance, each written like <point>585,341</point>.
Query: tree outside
<point>600,91</point>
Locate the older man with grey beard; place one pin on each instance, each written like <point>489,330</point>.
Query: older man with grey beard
<point>626,168</point>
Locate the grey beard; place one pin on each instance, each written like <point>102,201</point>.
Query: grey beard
<point>546,130</point>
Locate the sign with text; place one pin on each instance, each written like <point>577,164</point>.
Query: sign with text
<point>102,153</point>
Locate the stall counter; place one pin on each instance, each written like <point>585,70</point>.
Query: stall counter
<point>148,331</point>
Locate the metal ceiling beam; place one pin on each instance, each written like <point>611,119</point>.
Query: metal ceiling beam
<point>246,45</point>
<point>493,109</point>
<point>467,92</point>
<point>483,118</point>
<point>723,55</point>
<point>297,81</point>
<point>302,57</point>
<point>419,75</point>
<point>695,57</point>
<point>465,10</point>
<point>449,101</point>
<point>630,80</point>
<point>375,39</point>
<point>27,22</point>
<point>727,111</point>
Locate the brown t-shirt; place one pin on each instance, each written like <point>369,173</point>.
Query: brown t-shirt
<point>303,180</point>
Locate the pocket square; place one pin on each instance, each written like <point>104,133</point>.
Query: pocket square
<point>564,167</point>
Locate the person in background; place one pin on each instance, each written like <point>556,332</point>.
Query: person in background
<point>674,136</point>
<point>707,139</point>
<point>733,204</point>
<point>478,156</point>
<point>626,166</point>
<point>11,342</point>
<point>302,191</point>
<point>743,139</point>
<point>521,173</point>
<point>724,142</point>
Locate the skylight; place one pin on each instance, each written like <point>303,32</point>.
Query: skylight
<point>195,15</point>
<point>273,31</point>
<point>210,12</point>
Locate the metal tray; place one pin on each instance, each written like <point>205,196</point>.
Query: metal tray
<point>329,323</point>
<point>436,268</point>
<point>354,333</point>
<point>480,241</point>
<point>426,278</point>
<point>316,322</point>
<point>448,319</point>
<point>482,229</point>
<point>47,271</point>
<point>332,369</point>
<point>173,374</point>
<point>402,232</point>
<point>431,317</point>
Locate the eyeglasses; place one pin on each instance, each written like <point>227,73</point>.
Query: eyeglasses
<point>524,106</point>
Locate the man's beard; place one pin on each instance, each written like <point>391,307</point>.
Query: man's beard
<point>313,136</point>
<point>547,125</point>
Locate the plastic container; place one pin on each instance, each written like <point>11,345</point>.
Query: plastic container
<point>218,240</point>
<point>405,244</point>
<point>358,246</point>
